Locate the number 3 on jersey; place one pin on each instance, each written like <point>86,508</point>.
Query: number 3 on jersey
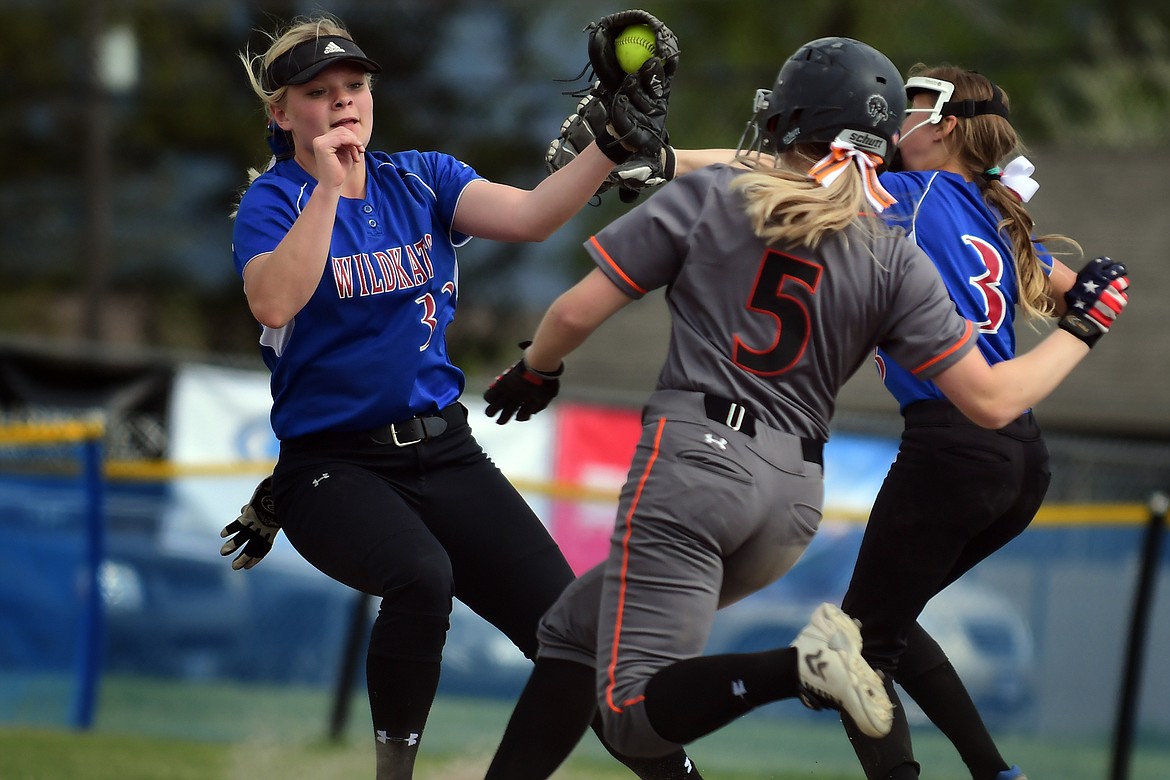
<point>779,272</point>
<point>987,283</point>
<point>430,309</point>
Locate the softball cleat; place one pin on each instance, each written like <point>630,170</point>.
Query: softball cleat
<point>833,673</point>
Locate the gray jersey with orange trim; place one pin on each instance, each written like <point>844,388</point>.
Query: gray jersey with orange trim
<point>779,329</point>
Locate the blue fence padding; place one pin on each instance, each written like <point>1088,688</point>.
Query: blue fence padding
<point>174,609</point>
<point>1102,545</point>
<point>49,612</point>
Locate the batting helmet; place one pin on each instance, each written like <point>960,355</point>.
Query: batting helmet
<point>833,89</point>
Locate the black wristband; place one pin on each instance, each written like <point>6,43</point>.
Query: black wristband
<point>1080,326</point>
<point>668,162</point>
<point>542,374</point>
<point>545,374</point>
<point>612,147</point>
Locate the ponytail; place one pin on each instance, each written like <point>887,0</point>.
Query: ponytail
<point>790,207</point>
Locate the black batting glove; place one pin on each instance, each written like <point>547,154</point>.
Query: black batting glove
<point>1095,300</point>
<point>254,530</point>
<point>521,391</point>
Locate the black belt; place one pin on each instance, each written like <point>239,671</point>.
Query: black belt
<point>417,429</point>
<point>943,412</point>
<point>736,417</point>
<point>940,412</point>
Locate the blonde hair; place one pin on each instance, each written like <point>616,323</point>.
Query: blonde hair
<point>980,144</point>
<point>295,33</point>
<point>787,206</point>
<point>284,40</point>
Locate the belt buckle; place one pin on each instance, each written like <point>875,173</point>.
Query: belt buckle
<point>422,433</point>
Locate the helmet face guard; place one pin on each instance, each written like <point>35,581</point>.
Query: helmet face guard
<point>754,141</point>
<point>944,106</point>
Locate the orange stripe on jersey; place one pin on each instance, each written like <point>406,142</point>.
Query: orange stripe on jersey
<point>609,260</point>
<point>951,351</point>
<point>617,629</point>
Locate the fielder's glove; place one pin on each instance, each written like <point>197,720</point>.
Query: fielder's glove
<point>630,177</point>
<point>254,530</point>
<point>634,104</point>
<point>1095,300</point>
<point>603,57</point>
<point>521,391</point>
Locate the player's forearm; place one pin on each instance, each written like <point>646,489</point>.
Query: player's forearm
<point>689,160</point>
<point>282,282</point>
<point>554,340</point>
<point>1060,281</point>
<point>565,327</point>
<point>500,212</point>
<point>1030,378</point>
<point>572,318</point>
<point>561,194</point>
<point>994,398</point>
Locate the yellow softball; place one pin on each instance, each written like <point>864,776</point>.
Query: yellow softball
<point>633,46</point>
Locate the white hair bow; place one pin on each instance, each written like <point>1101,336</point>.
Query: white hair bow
<point>1017,177</point>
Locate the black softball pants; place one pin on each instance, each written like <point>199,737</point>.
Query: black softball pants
<point>417,525</point>
<point>955,494</point>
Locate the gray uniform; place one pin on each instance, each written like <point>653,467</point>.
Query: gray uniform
<point>725,489</point>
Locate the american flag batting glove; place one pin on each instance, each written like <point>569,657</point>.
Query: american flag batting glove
<point>1095,300</point>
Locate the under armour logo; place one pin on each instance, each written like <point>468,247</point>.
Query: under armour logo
<point>815,665</point>
<point>333,48</point>
<point>385,738</point>
<point>321,479</point>
<point>738,688</point>
<point>714,440</point>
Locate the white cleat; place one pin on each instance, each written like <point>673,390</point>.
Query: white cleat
<point>833,673</point>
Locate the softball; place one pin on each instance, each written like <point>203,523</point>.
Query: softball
<point>633,46</point>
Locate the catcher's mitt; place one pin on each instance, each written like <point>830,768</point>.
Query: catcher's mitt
<point>630,177</point>
<point>635,104</point>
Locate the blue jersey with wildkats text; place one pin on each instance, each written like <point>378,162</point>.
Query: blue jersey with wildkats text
<point>947,216</point>
<point>369,347</point>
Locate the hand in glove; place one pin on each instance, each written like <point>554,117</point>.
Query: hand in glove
<point>521,391</point>
<point>1096,299</point>
<point>254,530</point>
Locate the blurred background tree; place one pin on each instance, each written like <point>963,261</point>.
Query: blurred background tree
<point>129,128</point>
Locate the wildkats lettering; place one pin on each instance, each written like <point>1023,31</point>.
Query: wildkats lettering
<point>396,268</point>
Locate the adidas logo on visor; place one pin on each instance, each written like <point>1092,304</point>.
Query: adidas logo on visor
<point>333,48</point>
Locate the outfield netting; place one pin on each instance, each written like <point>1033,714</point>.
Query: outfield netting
<point>51,531</point>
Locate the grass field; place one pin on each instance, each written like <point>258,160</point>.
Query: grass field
<point>163,731</point>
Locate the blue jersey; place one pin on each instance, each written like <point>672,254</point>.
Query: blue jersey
<point>947,216</point>
<point>369,347</point>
